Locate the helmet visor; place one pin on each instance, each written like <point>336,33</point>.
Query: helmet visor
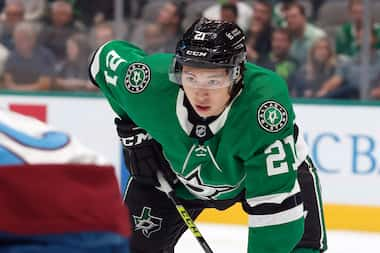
<point>201,77</point>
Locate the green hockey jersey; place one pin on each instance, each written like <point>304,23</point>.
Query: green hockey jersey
<point>253,147</point>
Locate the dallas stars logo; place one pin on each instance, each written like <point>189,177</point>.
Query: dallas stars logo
<point>146,222</point>
<point>193,182</point>
<point>272,116</point>
<point>137,78</point>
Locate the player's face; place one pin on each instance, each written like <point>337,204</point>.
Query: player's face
<point>206,89</point>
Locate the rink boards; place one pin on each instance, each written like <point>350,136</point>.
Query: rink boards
<point>343,138</point>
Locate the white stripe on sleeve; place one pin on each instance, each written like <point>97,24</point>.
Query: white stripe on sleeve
<point>277,198</point>
<point>286,216</point>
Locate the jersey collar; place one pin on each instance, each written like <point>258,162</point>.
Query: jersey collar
<point>200,128</point>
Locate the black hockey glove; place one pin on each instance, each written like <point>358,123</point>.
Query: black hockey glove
<point>142,154</point>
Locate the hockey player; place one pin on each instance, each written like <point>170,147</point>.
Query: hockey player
<point>228,134</point>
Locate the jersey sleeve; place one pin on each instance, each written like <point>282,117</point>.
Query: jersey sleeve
<point>130,80</point>
<point>273,201</point>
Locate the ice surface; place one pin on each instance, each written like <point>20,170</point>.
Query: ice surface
<point>233,239</point>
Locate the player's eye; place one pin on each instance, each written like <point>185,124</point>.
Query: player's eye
<point>214,82</point>
<point>190,79</point>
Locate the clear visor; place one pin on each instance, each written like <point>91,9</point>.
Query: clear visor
<point>206,78</point>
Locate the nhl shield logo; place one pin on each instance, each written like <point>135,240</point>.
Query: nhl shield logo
<point>200,131</point>
<point>272,116</point>
<point>137,78</point>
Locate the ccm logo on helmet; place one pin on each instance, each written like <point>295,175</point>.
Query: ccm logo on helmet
<point>195,53</point>
<point>135,140</point>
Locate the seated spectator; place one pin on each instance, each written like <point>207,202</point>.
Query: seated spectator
<point>347,35</point>
<point>91,11</point>
<point>316,6</point>
<point>34,9</point>
<point>244,13</point>
<point>279,60</point>
<point>345,82</point>
<point>13,14</point>
<point>304,34</point>
<point>154,41</point>
<point>375,92</point>
<point>170,18</point>
<point>260,32</point>
<point>61,27</point>
<point>229,12</point>
<point>101,33</point>
<point>29,66</point>
<point>72,74</point>
<point>320,67</point>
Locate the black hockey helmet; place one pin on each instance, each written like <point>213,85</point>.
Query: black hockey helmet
<point>211,44</point>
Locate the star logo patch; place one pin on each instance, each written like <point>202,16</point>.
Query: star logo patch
<point>193,182</point>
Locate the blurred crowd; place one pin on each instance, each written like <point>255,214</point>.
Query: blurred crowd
<point>314,44</point>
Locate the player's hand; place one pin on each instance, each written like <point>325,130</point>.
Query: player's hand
<point>142,154</point>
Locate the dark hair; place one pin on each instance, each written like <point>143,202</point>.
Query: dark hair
<point>297,5</point>
<point>230,7</point>
<point>283,31</point>
<point>180,12</point>
<point>267,4</point>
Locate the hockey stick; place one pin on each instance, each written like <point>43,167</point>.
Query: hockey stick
<point>165,187</point>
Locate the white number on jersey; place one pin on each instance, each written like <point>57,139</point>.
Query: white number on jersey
<point>276,160</point>
<point>113,60</point>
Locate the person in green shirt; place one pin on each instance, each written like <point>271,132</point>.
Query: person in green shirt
<point>279,59</point>
<point>346,41</point>
<point>221,130</point>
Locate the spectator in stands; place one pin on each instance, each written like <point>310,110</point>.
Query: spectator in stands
<point>34,9</point>
<point>102,33</point>
<point>229,12</point>
<point>316,6</point>
<point>72,74</point>
<point>61,27</point>
<point>304,34</point>
<point>91,11</point>
<point>170,18</point>
<point>29,67</point>
<point>244,13</point>
<point>154,41</point>
<point>320,67</point>
<point>347,35</point>
<point>279,60</point>
<point>13,14</point>
<point>260,32</point>
<point>375,92</point>
<point>345,82</point>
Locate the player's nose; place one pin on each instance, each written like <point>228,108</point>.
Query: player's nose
<point>202,93</point>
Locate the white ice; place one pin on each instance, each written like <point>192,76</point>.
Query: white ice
<point>233,239</point>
